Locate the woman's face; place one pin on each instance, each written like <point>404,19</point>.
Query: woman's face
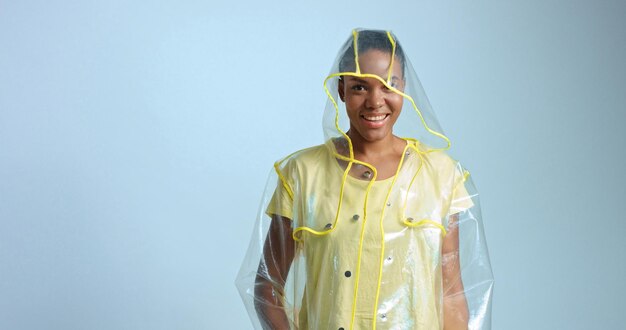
<point>372,108</point>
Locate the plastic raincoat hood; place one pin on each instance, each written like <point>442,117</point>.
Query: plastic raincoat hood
<point>338,246</point>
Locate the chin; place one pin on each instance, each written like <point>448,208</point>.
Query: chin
<point>375,137</point>
<point>370,136</point>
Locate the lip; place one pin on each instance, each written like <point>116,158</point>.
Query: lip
<point>374,120</point>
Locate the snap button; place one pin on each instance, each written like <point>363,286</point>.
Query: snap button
<point>329,226</point>
<point>348,273</point>
<point>355,217</point>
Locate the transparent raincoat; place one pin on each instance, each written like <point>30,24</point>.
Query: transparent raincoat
<point>338,246</point>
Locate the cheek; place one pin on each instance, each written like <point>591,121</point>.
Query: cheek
<point>353,103</point>
<point>395,102</point>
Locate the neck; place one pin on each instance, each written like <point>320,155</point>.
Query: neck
<point>373,149</point>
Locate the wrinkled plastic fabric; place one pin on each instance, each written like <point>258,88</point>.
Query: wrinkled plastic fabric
<point>335,248</point>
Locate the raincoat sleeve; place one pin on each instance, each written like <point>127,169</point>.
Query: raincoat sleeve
<point>466,271</point>
<point>263,278</point>
<point>461,200</point>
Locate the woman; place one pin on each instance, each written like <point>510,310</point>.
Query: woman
<point>370,230</point>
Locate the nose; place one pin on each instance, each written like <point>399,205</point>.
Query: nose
<point>375,99</point>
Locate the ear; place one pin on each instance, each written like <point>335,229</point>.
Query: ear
<point>340,90</point>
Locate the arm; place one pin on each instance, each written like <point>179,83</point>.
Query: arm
<point>278,254</point>
<point>455,312</point>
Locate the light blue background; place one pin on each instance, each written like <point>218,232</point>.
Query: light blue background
<point>136,138</point>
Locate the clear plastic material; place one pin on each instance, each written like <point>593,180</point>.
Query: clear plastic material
<point>342,244</point>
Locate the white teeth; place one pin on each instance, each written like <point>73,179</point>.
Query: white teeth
<point>375,118</point>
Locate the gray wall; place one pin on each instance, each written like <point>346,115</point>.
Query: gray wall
<point>136,137</point>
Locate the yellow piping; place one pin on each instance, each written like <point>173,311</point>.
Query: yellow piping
<point>355,45</point>
<point>382,233</point>
<point>408,190</point>
<point>351,160</point>
<point>281,176</point>
<point>337,118</point>
<point>426,222</point>
<point>358,265</point>
<point>322,233</point>
<point>395,90</point>
<point>393,55</point>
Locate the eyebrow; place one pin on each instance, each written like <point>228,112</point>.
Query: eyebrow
<point>358,80</point>
<point>361,81</point>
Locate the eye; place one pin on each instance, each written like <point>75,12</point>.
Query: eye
<point>358,88</point>
<point>392,85</point>
<point>395,83</point>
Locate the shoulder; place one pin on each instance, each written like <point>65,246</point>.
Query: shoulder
<point>310,154</point>
<point>306,156</point>
<point>435,157</point>
<point>303,159</point>
<point>437,162</point>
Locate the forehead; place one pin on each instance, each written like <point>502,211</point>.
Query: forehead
<point>377,62</point>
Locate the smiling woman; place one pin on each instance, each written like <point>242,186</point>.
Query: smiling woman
<point>372,107</point>
<point>372,229</point>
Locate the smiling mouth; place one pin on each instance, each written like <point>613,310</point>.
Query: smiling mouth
<point>375,118</point>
